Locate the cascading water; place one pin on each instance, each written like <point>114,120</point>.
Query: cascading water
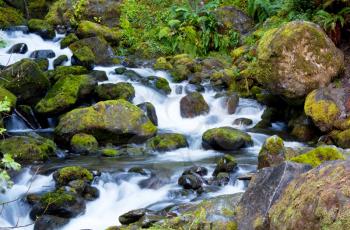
<point>119,191</point>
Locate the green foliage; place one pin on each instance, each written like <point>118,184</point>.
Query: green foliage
<point>78,10</point>
<point>7,163</point>
<point>329,21</point>
<point>260,10</point>
<point>2,43</point>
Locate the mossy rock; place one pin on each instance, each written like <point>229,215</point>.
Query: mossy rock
<point>193,105</point>
<point>25,80</point>
<point>64,94</point>
<point>158,83</point>
<point>341,138</point>
<point>84,57</point>
<point>67,40</point>
<point>83,143</point>
<point>167,142</point>
<point>230,18</point>
<point>297,58</point>
<point>162,64</point>
<point>223,79</point>
<point>114,121</point>
<point>226,164</point>
<point>64,175</point>
<point>42,28</point>
<point>121,90</point>
<point>5,94</point>
<point>10,17</point>
<point>90,29</point>
<point>60,60</point>
<point>110,152</point>
<point>226,138</point>
<point>26,149</point>
<point>63,71</point>
<point>272,152</point>
<point>150,111</point>
<point>319,155</point>
<point>318,199</point>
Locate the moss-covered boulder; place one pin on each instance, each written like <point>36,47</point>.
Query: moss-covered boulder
<point>193,105</point>
<point>114,121</point>
<point>297,58</point>
<point>67,40</point>
<point>230,18</point>
<point>65,175</point>
<point>88,29</point>
<point>226,164</point>
<point>328,107</point>
<point>341,138</point>
<point>5,94</point>
<point>162,64</point>
<point>84,56</point>
<point>225,138</point>
<point>60,60</point>
<point>167,142</point>
<point>83,143</point>
<point>110,91</point>
<point>25,80</point>
<point>110,152</point>
<point>63,71</point>
<point>150,111</point>
<point>42,28</point>
<point>10,17</point>
<point>58,203</point>
<point>317,199</point>
<point>98,47</point>
<point>319,155</point>
<point>158,83</point>
<point>65,93</point>
<point>26,149</point>
<point>272,152</point>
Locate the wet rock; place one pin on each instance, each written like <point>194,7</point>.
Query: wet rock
<point>319,155</point>
<point>222,179</point>
<point>243,121</point>
<point>153,182</point>
<point>26,113</point>
<point>202,171</point>
<point>150,111</point>
<point>19,48</point>
<point>90,193</point>
<point>58,203</point>
<point>27,149</point>
<point>191,88</point>
<point>158,83</point>
<point>315,200</point>
<point>226,164</point>
<point>117,122</point>
<point>49,222</point>
<point>232,103</point>
<point>133,216</point>
<point>303,128</point>
<point>65,175</point>
<point>78,186</point>
<point>120,70</point>
<point>64,71</point>
<point>138,170</point>
<point>110,91</point>
<point>225,138</point>
<point>193,105</point>
<point>83,143</point>
<point>43,54</point>
<point>98,75</point>
<point>179,89</point>
<point>264,190</point>
<point>83,56</point>
<point>272,153</point>
<point>25,80</point>
<point>300,50</point>
<point>33,198</point>
<point>167,142</point>
<point>64,94</point>
<point>42,28</point>
<point>191,181</point>
<point>60,60</point>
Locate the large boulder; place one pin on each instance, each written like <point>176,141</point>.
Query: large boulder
<point>167,142</point>
<point>64,94</point>
<point>318,199</point>
<point>88,29</point>
<point>65,175</point>
<point>296,59</point>
<point>329,107</point>
<point>110,91</point>
<point>150,111</point>
<point>114,121</point>
<point>225,138</point>
<point>229,18</point>
<point>42,28</point>
<point>264,190</point>
<point>193,105</point>
<point>25,80</point>
<point>83,143</point>
<point>26,149</point>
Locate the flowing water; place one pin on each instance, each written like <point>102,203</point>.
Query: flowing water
<point>121,191</point>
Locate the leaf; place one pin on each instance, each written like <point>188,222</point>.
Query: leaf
<point>9,163</point>
<point>174,23</point>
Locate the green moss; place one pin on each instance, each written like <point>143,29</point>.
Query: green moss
<point>41,27</point>
<point>64,94</point>
<point>64,175</point>
<point>4,93</point>
<point>67,40</point>
<point>163,85</point>
<point>323,112</point>
<point>162,64</point>
<point>84,143</point>
<point>121,90</point>
<point>91,29</point>
<point>318,155</point>
<point>57,198</point>
<point>84,56</point>
<point>43,63</point>
<point>167,142</point>
<point>10,17</point>
<point>109,152</point>
<point>27,149</point>
<point>63,71</point>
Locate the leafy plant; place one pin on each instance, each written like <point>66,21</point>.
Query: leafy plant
<point>7,163</point>
<point>260,10</point>
<point>329,21</point>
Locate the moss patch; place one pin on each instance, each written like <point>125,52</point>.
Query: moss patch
<point>64,175</point>
<point>167,142</point>
<point>10,17</point>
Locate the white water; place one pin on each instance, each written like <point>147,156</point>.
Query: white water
<point>118,196</point>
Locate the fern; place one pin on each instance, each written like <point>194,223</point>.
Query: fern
<point>329,21</point>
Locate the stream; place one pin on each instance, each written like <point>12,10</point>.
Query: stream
<point>120,191</point>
